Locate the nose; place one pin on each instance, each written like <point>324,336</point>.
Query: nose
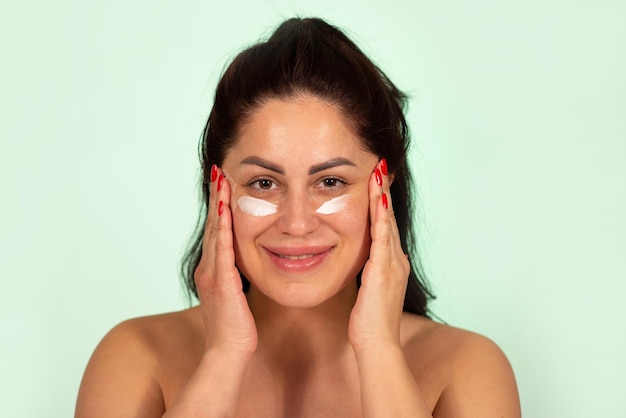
<point>296,214</point>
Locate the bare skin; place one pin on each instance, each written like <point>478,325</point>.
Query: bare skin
<point>304,341</point>
<point>161,352</point>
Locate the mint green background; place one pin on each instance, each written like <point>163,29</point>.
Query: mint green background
<point>518,118</point>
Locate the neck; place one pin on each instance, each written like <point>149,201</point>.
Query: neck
<point>314,336</point>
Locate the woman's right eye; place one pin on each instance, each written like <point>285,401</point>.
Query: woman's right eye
<point>265,183</point>
<point>262,184</point>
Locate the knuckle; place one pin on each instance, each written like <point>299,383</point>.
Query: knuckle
<point>406,265</point>
<point>200,276</point>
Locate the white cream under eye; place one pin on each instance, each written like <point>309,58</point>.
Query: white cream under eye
<point>259,207</point>
<point>333,205</point>
<point>256,207</point>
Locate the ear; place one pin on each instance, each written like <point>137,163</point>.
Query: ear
<point>391,176</point>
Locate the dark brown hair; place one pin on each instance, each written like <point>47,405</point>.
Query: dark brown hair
<point>309,56</point>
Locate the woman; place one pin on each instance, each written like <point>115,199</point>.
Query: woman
<point>303,153</point>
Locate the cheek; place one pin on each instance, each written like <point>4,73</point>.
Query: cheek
<point>353,220</point>
<point>353,224</point>
<point>246,227</point>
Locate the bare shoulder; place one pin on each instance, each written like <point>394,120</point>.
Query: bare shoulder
<point>461,373</point>
<point>158,334</point>
<point>127,374</point>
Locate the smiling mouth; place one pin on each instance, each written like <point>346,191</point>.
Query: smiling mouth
<point>295,257</point>
<point>298,260</point>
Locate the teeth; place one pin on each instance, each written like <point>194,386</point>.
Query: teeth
<point>296,257</point>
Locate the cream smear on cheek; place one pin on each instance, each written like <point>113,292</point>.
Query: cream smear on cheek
<point>252,205</point>
<point>259,207</point>
<point>333,205</point>
<point>256,207</point>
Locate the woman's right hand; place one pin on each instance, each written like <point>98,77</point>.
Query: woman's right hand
<point>230,332</point>
<point>228,322</point>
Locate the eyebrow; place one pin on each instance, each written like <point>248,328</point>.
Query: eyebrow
<point>334,162</point>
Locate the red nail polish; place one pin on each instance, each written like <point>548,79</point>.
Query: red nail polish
<point>385,201</point>
<point>220,182</point>
<point>379,177</point>
<point>213,173</point>
<point>220,208</point>
<point>383,166</point>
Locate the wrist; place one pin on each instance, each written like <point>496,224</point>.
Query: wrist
<point>377,350</point>
<point>214,388</point>
<point>375,341</point>
<point>227,355</point>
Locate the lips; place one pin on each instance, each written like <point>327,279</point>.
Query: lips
<point>295,257</point>
<point>298,259</point>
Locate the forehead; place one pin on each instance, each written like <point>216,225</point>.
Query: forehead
<point>302,129</point>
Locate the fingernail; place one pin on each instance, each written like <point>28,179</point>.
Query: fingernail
<point>220,208</point>
<point>220,182</point>
<point>213,173</point>
<point>385,201</point>
<point>383,166</point>
<point>379,177</point>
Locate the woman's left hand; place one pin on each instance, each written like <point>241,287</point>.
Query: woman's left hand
<point>376,316</point>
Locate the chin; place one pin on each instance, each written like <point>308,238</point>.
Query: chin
<point>305,295</point>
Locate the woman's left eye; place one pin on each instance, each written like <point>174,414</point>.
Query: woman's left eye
<point>332,183</point>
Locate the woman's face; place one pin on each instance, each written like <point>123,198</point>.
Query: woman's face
<point>299,199</point>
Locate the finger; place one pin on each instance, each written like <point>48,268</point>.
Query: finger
<point>211,218</point>
<point>217,241</point>
<point>379,218</point>
<point>387,180</point>
<point>225,258</point>
<point>219,196</point>
<point>396,251</point>
<point>375,191</point>
<point>395,232</point>
<point>386,248</point>
<point>399,260</point>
